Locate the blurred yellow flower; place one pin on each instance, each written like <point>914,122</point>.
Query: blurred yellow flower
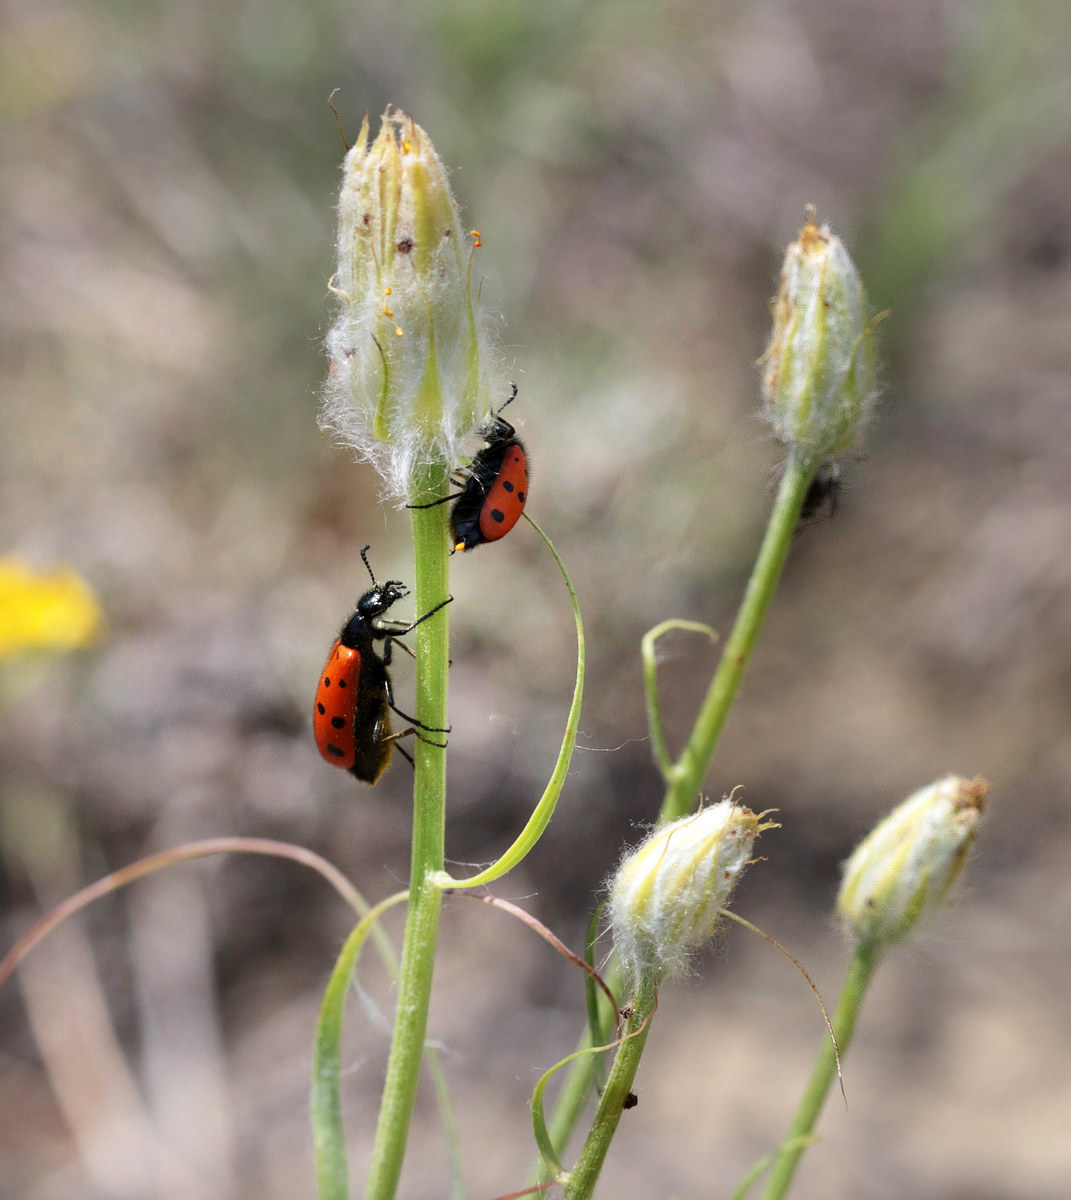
<point>45,610</point>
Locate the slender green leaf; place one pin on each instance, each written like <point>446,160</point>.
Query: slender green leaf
<point>328,1134</point>
<point>544,810</point>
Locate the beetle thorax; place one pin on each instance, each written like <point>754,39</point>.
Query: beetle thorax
<point>380,598</point>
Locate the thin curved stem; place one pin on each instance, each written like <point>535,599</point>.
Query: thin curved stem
<point>168,858</point>
<point>650,683</point>
<point>544,810</point>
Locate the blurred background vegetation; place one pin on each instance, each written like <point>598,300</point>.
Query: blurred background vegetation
<point>635,171</point>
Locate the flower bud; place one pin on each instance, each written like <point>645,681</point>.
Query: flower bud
<point>407,381</point>
<point>53,610</point>
<point>667,894</point>
<point>819,379</point>
<point>905,866</point>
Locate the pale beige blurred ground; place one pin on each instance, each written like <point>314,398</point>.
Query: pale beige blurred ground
<point>634,171</point>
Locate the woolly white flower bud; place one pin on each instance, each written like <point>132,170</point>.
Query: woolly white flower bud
<point>408,382</point>
<point>819,379</point>
<point>905,866</point>
<point>667,894</point>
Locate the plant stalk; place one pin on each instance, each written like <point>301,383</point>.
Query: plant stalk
<point>430,547</point>
<point>860,970</point>
<point>694,760</point>
<point>687,772</point>
<point>585,1174</point>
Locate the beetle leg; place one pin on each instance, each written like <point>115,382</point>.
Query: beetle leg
<point>430,613</point>
<point>394,737</point>
<point>435,503</point>
<point>417,724</point>
<point>389,689</point>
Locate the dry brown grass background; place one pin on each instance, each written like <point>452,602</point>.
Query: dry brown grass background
<point>635,171</point>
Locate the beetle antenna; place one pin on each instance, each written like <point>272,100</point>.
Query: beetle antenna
<point>512,397</point>
<point>364,559</point>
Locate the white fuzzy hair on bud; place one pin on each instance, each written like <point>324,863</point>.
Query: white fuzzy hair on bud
<point>412,372</point>
<point>668,893</point>
<point>819,368</point>
<point>904,868</point>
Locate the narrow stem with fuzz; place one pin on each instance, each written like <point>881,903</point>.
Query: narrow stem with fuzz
<point>687,773</point>
<point>430,541</point>
<point>860,971</point>
<point>585,1174</point>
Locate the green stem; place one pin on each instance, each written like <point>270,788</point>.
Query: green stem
<point>692,765</point>
<point>860,970</point>
<point>585,1174</point>
<point>430,547</point>
<point>685,775</point>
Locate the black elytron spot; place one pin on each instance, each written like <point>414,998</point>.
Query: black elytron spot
<point>327,682</point>
<point>507,486</point>
<point>338,722</point>
<point>521,496</point>
<point>335,751</point>
<point>342,683</point>
<point>320,709</point>
<point>497,515</point>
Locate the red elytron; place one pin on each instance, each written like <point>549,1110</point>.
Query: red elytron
<point>495,488</point>
<point>351,715</point>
